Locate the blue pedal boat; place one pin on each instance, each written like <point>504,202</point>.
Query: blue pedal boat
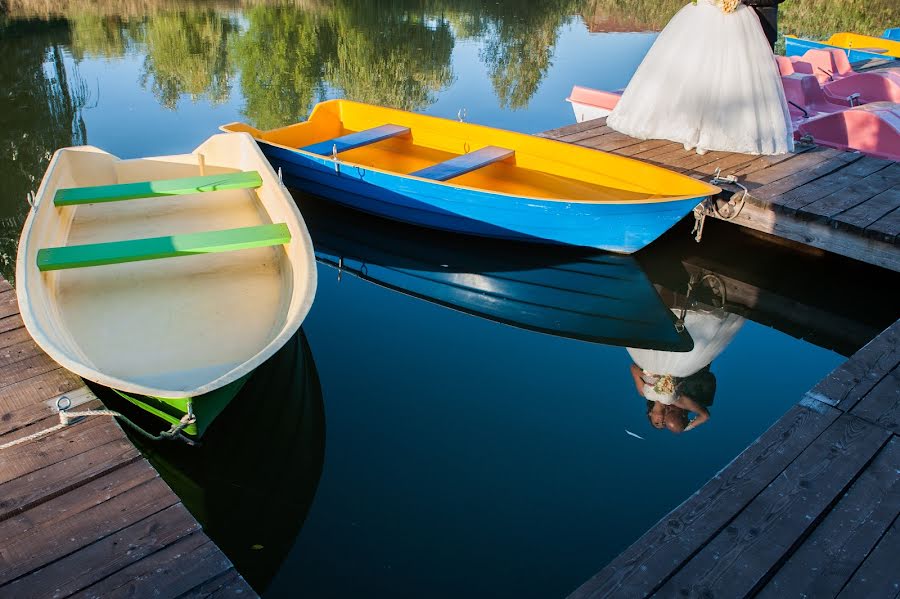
<point>477,180</point>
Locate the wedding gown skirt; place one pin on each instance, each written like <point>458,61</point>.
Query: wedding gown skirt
<point>709,82</point>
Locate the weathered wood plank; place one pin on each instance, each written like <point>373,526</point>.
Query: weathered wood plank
<point>581,136</point>
<point>79,570</point>
<point>170,572</point>
<point>835,181</point>
<point>8,304</point>
<point>575,128</point>
<point>881,405</point>
<point>36,389</point>
<point>25,369</point>
<point>227,584</point>
<point>4,285</point>
<point>840,201</point>
<point>802,175</point>
<point>10,324</point>
<point>819,235</point>
<point>742,557</point>
<point>90,512</point>
<point>879,575</point>
<point>647,564</point>
<point>643,146</point>
<point>72,440</point>
<point>16,352</point>
<point>25,492</point>
<point>853,379</point>
<point>864,215</point>
<point>886,228</point>
<point>770,171</point>
<point>826,560</point>
<point>13,420</point>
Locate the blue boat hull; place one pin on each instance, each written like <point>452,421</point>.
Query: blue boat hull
<point>798,47</point>
<point>623,228</point>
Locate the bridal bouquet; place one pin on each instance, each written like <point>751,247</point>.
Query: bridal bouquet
<point>728,6</point>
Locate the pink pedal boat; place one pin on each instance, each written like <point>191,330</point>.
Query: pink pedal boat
<point>848,89</point>
<point>872,129</point>
<point>589,104</point>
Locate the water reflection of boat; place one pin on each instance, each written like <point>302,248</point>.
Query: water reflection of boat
<point>251,481</point>
<point>568,292</point>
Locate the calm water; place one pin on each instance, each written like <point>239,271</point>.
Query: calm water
<point>405,444</point>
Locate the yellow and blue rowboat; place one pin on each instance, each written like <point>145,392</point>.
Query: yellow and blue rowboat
<point>477,180</point>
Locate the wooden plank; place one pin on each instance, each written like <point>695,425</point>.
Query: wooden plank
<point>818,235</point>
<point>154,248</point>
<point>853,379</point>
<point>4,285</point>
<point>15,419</point>
<point>226,584</point>
<point>466,163</point>
<point>742,557</point>
<point>25,492</point>
<point>803,175</point>
<point>791,165</point>
<point>826,560</point>
<point>646,565</point>
<point>170,572</point>
<point>359,139</point>
<point>573,129</point>
<point>34,389</point>
<point>154,189</point>
<point>833,204</point>
<point>29,457</point>
<point>886,228</point>
<point>22,370</point>
<point>879,575</point>
<point>586,134</point>
<point>864,215</point>
<point>90,512</point>
<point>644,146</point>
<point>16,352</point>
<point>835,181</point>
<point>11,322</point>
<point>881,405</point>
<point>79,570</point>
<point>12,337</point>
<point>8,304</point>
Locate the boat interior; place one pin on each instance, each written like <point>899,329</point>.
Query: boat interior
<point>473,156</point>
<point>108,293</point>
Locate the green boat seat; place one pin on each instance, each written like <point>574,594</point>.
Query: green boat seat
<point>356,140</point>
<point>152,189</point>
<point>464,164</point>
<point>154,248</point>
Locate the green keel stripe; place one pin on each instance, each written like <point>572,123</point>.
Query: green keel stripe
<point>152,189</point>
<point>116,252</point>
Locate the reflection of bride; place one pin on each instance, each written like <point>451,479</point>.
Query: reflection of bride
<point>676,384</point>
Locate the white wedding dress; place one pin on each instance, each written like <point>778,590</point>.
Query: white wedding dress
<point>709,82</point>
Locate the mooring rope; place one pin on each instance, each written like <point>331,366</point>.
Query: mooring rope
<point>67,418</point>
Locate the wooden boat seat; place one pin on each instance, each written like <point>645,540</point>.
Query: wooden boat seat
<point>134,250</point>
<point>152,189</point>
<point>356,140</point>
<point>464,164</point>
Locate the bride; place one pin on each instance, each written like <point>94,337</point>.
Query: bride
<point>709,82</point>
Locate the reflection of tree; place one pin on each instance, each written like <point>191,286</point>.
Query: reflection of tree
<point>281,56</point>
<point>40,111</point>
<point>518,49</point>
<point>187,53</point>
<point>394,53</point>
<point>102,36</point>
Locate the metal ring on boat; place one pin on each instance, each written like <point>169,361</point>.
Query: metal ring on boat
<point>63,403</point>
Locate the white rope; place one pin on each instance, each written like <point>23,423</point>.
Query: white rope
<point>67,418</point>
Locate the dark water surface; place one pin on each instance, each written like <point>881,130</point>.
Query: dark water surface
<point>457,417</point>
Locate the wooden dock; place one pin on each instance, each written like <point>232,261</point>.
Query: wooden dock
<point>841,202</point>
<point>810,509</point>
<point>81,512</point>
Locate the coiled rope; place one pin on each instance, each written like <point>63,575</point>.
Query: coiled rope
<point>67,418</point>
